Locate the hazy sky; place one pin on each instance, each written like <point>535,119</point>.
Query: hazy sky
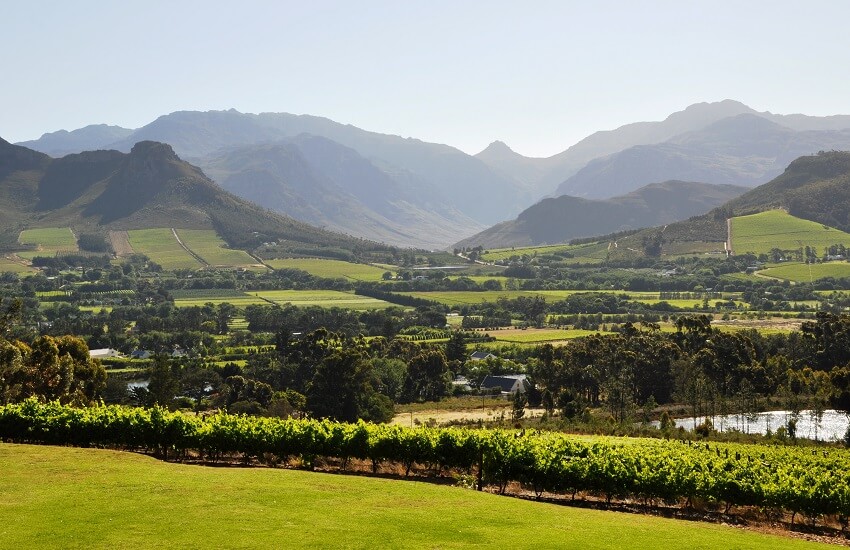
<point>537,75</point>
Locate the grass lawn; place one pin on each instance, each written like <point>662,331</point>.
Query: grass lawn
<point>161,247</point>
<point>59,497</point>
<point>807,272</point>
<point>759,233</point>
<point>332,269</point>
<point>209,246</point>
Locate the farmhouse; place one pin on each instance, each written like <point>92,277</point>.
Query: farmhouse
<point>141,354</point>
<point>104,353</point>
<point>508,384</point>
<point>481,356</point>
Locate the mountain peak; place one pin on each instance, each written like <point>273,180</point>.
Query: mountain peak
<point>497,149</point>
<point>155,148</point>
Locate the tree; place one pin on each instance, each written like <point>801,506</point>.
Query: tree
<point>338,385</point>
<point>456,347</point>
<point>163,385</point>
<point>427,377</point>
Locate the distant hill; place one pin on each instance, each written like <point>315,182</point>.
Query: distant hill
<point>473,188</point>
<point>148,187</point>
<point>324,183</point>
<point>546,174</point>
<point>744,150</point>
<point>90,138</point>
<point>814,188</point>
<point>563,218</point>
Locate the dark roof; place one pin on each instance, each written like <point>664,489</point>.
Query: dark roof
<point>504,383</point>
<point>481,355</point>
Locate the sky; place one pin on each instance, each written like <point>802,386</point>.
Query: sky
<point>537,75</point>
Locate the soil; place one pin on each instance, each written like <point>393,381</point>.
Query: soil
<point>120,243</point>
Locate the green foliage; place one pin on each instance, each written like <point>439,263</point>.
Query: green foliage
<point>789,478</point>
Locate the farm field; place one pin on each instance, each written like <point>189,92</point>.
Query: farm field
<point>49,241</point>
<point>134,501</point>
<point>759,233</point>
<point>188,298</point>
<point>590,250</point>
<point>8,265</point>
<point>161,247</point>
<point>332,269</point>
<point>301,298</point>
<point>209,246</point>
<point>800,272</point>
<point>323,298</point>
<point>538,335</point>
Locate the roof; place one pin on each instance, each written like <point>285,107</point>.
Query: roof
<point>504,382</point>
<point>479,355</point>
<point>103,352</point>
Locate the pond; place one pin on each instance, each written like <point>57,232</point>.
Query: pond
<point>832,426</point>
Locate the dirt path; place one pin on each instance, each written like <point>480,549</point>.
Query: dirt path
<point>187,249</point>
<point>728,244</point>
<point>471,415</point>
<point>120,242</point>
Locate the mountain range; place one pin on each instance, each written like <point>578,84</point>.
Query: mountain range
<point>148,187</point>
<point>408,192</point>
<point>560,219</point>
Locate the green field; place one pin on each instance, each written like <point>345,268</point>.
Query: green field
<point>807,272</point>
<point>209,246</point>
<point>759,233</point>
<point>322,298</point>
<point>538,336</point>
<point>48,240</point>
<point>161,247</point>
<point>12,266</point>
<point>188,298</point>
<point>332,269</point>
<point>300,298</point>
<point>60,497</point>
<point>590,252</point>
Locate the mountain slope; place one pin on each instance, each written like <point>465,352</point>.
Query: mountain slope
<point>563,218</point>
<point>324,183</point>
<point>148,187</point>
<point>744,150</point>
<point>89,138</point>
<point>814,188</point>
<point>473,188</point>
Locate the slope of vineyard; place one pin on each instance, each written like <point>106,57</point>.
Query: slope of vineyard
<point>134,501</point>
<point>780,478</point>
<point>759,233</point>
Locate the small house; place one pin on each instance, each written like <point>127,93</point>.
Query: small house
<point>140,354</point>
<point>481,356</point>
<point>104,353</point>
<point>508,384</point>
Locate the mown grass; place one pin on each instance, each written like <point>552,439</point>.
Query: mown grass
<point>760,233</point>
<point>332,269</point>
<point>161,247</point>
<point>209,246</point>
<point>59,497</point>
<point>800,272</point>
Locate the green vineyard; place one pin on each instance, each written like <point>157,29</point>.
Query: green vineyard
<point>799,480</point>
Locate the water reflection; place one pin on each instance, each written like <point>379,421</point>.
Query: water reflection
<point>832,425</point>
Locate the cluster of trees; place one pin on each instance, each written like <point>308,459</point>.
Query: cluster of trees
<point>45,367</point>
<point>714,372</point>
